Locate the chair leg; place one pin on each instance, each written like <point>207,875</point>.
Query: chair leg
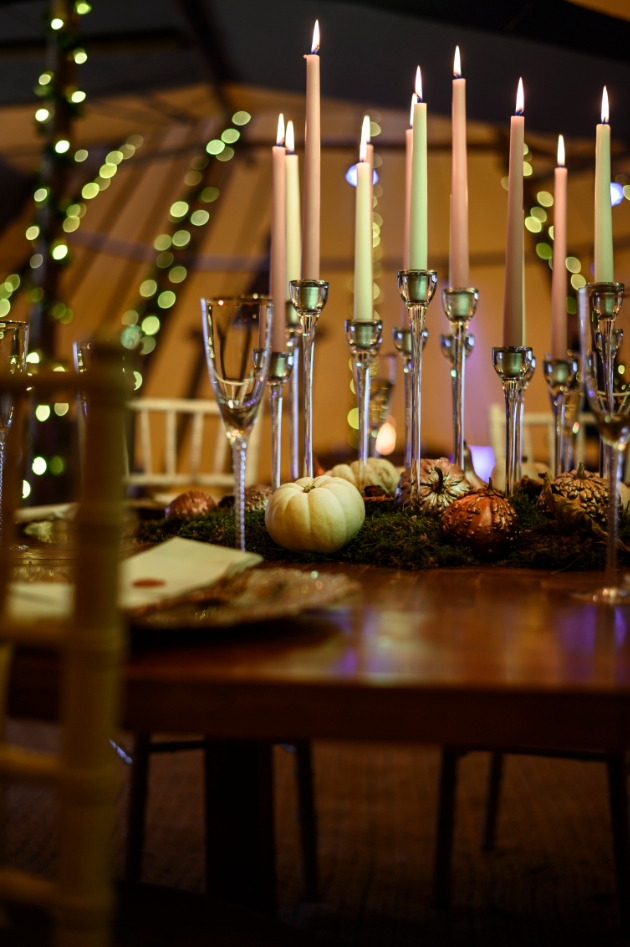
<point>493,799</point>
<point>308,819</point>
<point>136,814</point>
<point>240,847</point>
<point>618,801</point>
<point>445,827</point>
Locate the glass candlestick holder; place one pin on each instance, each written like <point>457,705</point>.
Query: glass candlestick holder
<point>294,333</point>
<point>416,288</point>
<point>603,301</point>
<point>459,306</point>
<point>560,375</point>
<point>402,342</point>
<point>512,364</point>
<point>309,296</point>
<point>520,424</point>
<point>280,365</point>
<point>364,340</point>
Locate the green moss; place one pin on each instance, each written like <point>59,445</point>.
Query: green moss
<point>404,541</point>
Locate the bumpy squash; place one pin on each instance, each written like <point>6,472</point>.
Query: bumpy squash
<point>379,473</point>
<point>319,515</point>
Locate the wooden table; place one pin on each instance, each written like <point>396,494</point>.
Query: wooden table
<point>476,657</point>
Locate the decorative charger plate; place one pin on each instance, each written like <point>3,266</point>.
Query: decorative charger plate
<point>253,596</point>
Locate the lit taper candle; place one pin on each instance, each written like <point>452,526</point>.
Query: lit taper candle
<point>418,252</point>
<point>294,235</point>
<point>363,295</point>
<point>459,275</point>
<point>312,164</point>
<point>513,328</point>
<point>604,265</point>
<point>559,276</point>
<point>278,271</point>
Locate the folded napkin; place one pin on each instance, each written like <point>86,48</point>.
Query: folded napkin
<point>166,571</point>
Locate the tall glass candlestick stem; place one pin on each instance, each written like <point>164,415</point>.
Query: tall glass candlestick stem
<point>364,340</point>
<point>523,386</point>
<point>512,363</point>
<point>416,288</point>
<point>280,365</point>
<point>309,297</point>
<point>560,375</point>
<point>402,341</point>
<point>460,306</point>
<point>294,332</point>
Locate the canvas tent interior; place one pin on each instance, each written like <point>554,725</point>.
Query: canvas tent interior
<point>173,73</point>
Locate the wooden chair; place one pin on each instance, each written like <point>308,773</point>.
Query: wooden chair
<point>85,908</point>
<point>193,414</point>
<point>532,420</point>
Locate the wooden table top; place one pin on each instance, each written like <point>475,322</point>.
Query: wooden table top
<point>477,657</point>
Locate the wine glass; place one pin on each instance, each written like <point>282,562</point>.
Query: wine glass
<point>382,381</point>
<point>609,400</point>
<point>13,345</point>
<point>237,336</point>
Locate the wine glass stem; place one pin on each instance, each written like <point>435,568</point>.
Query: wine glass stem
<point>613,525</point>
<point>308,338</point>
<point>239,460</point>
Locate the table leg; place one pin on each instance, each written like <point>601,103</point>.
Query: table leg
<point>240,847</point>
<point>308,819</point>
<point>493,798</point>
<point>618,800</point>
<point>445,828</point>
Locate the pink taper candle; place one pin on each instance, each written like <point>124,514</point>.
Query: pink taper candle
<point>559,277</point>
<point>513,299</point>
<point>278,270</point>
<point>312,164</point>
<point>459,275</point>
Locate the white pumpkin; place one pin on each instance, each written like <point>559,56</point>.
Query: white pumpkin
<point>319,515</point>
<point>379,472</point>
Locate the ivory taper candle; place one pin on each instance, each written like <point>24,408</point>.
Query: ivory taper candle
<point>294,223</point>
<point>408,169</point>
<point>559,276</point>
<point>363,295</point>
<point>418,198</point>
<point>459,275</point>
<point>278,270</point>
<point>514,245</point>
<point>604,266</point>
<point>312,164</point>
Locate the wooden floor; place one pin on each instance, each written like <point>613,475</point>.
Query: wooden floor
<point>549,882</point>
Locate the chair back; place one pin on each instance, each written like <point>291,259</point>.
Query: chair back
<point>532,420</point>
<point>177,469</point>
<point>80,897</point>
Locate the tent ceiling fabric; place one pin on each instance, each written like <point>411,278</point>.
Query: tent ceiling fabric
<point>565,52</point>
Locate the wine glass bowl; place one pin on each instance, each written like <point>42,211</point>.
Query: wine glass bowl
<point>237,335</point>
<point>609,401</point>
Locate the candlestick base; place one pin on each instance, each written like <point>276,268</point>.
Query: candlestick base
<point>417,288</point>
<point>309,298</point>
<point>560,375</point>
<point>280,365</point>
<point>512,364</point>
<point>364,340</point>
<point>460,305</point>
<point>402,342</point>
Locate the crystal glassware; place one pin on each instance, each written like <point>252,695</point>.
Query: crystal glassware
<point>459,306</point>
<point>416,288</point>
<point>294,333</point>
<point>513,364</point>
<point>560,374</point>
<point>609,400</point>
<point>382,381</point>
<point>364,340</point>
<point>309,296</point>
<point>13,345</point>
<point>237,336</point>
<point>520,424</point>
<point>402,341</point>
<point>280,368</point>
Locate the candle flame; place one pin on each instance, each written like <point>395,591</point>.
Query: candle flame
<point>418,86</point>
<point>315,43</point>
<point>561,157</point>
<point>605,109</point>
<point>280,132</point>
<point>289,139</point>
<point>457,64</point>
<point>520,98</point>
<point>365,137</point>
<point>414,100</point>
